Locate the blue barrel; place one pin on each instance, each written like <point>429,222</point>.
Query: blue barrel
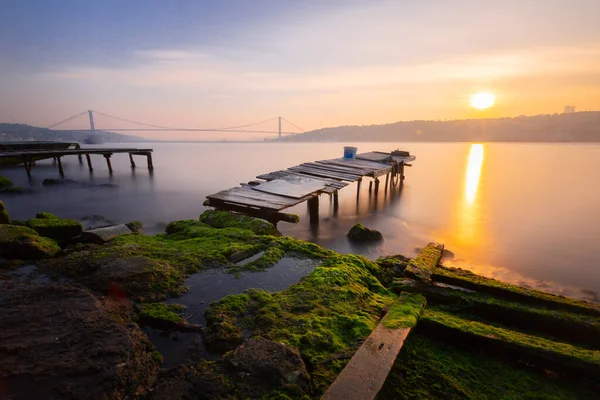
<point>350,152</point>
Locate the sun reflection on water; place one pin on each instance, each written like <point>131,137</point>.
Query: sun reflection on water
<point>473,173</point>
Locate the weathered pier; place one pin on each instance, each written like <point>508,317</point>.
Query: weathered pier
<point>273,192</point>
<point>29,156</point>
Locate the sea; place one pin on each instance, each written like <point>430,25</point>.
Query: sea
<point>525,213</point>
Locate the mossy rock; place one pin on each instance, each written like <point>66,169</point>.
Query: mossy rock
<point>5,182</point>
<point>226,219</point>
<point>161,315</point>
<point>20,242</point>
<point>49,225</point>
<point>135,226</point>
<point>4,216</point>
<point>423,265</point>
<point>360,233</point>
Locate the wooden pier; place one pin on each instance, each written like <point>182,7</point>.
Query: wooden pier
<point>28,157</point>
<point>276,191</point>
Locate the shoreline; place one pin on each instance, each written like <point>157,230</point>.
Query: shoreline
<point>115,289</point>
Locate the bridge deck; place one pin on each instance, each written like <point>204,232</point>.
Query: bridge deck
<point>279,190</point>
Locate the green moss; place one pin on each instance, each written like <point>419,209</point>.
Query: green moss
<point>5,182</point>
<point>225,219</point>
<point>391,267</point>
<point>156,357</point>
<point>405,311</point>
<point>4,216</point>
<point>161,314</point>
<point>22,243</point>
<point>526,345</point>
<point>564,325</point>
<point>460,277</point>
<point>325,314</point>
<point>48,225</point>
<point>422,266</point>
<point>135,226</point>
<point>427,369</point>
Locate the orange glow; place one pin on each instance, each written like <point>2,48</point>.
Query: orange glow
<point>469,216</point>
<point>473,173</point>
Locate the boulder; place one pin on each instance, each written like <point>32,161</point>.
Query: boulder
<point>362,234</point>
<point>22,243</point>
<point>4,217</point>
<point>49,225</point>
<point>135,226</point>
<point>226,219</point>
<point>61,342</point>
<point>103,235</point>
<point>54,182</point>
<point>5,182</point>
<point>271,364</point>
<point>222,336</point>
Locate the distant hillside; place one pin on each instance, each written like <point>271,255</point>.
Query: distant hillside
<point>570,127</point>
<point>22,132</point>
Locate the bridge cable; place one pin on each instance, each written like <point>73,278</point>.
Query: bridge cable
<point>67,119</point>
<point>294,125</point>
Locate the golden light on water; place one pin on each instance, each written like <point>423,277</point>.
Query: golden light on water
<point>473,172</point>
<point>483,100</point>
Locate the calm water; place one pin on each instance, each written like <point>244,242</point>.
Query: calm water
<point>527,213</point>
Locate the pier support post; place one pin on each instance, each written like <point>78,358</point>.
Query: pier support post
<point>358,187</point>
<point>150,165</point>
<point>107,156</point>
<point>60,167</point>
<point>387,180</point>
<point>132,162</point>
<point>27,164</point>
<point>336,199</point>
<point>313,209</point>
<point>89,162</point>
<point>376,186</point>
<point>80,158</point>
<point>370,187</point>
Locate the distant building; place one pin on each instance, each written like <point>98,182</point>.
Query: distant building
<point>569,109</point>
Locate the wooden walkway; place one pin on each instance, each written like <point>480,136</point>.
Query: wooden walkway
<point>28,157</point>
<point>276,191</point>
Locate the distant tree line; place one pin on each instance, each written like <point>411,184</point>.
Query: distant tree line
<point>568,127</point>
<point>22,132</point>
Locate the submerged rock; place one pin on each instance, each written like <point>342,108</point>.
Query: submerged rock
<point>60,342</point>
<point>23,243</point>
<point>49,225</point>
<point>360,233</point>
<point>4,216</point>
<point>5,182</point>
<point>225,219</point>
<point>54,182</point>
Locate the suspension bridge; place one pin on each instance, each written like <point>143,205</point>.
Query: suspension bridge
<point>146,127</point>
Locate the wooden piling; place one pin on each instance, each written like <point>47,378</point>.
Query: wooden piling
<point>27,165</point>
<point>335,199</point>
<point>132,162</point>
<point>376,186</point>
<point>89,162</point>
<point>313,209</point>
<point>80,158</point>
<point>370,187</point>
<point>358,187</point>
<point>107,156</point>
<point>387,180</point>
<point>150,165</point>
<point>60,167</point>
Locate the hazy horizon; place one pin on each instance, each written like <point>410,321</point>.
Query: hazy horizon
<point>206,64</point>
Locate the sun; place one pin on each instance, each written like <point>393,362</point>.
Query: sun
<point>483,100</point>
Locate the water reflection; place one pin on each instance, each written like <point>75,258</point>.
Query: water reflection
<point>474,165</point>
<point>469,216</point>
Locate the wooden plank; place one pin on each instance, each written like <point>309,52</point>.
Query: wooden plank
<point>364,163</point>
<point>324,173</point>
<point>350,166</point>
<point>291,188</point>
<point>250,193</point>
<point>330,169</point>
<point>260,204</point>
<point>353,171</point>
<point>255,212</point>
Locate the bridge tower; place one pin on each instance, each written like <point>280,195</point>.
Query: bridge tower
<point>90,113</point>
<point>279,130</point>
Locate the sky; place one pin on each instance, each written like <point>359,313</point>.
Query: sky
<point>205,64</point>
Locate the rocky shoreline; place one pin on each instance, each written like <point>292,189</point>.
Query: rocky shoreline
<point>71,328</point>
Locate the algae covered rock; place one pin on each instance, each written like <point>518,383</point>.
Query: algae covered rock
<point>135,226</point>
<point>226,219</point>
<point>360,233</point>
<point>23,243</point>
<point>5,182</point>
<point>266,364</point>
<point>423,265</point>
<point>4,217</point>
<point>49,225</point>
